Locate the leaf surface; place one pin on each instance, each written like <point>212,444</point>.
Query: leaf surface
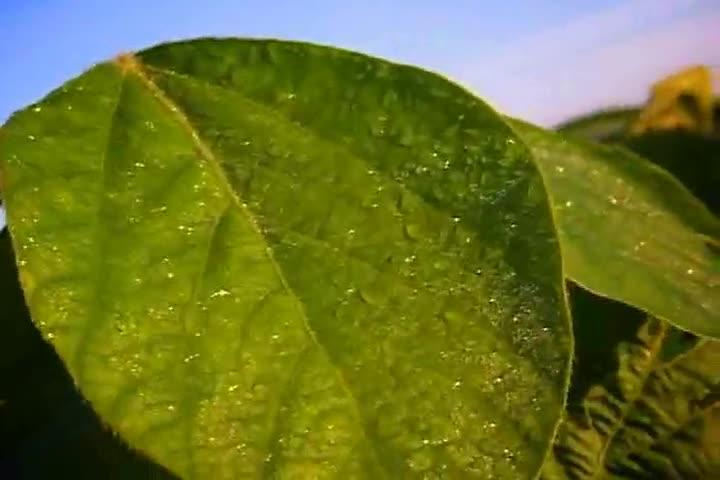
<point>630,231</point>
<point>653,418</point>
<point>263,259</point>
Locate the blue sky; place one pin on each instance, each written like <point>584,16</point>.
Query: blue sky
<point>540,60</point>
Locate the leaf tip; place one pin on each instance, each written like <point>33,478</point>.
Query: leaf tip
<point>127,62</point>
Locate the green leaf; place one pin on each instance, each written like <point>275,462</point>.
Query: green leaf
<point>630,231</point>
<point>269,259</point>
<point>653,418</point>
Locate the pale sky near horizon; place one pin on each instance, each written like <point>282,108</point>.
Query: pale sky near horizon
<point>543,61</point>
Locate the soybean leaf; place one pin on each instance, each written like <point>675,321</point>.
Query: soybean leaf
<point>265,259</point>
<point>630,231</point>
<point>653,418</point>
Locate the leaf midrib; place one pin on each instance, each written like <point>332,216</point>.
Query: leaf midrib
<point>132,64</point>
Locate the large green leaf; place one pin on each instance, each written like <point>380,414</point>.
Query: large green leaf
<point>266,259</point>
<point>654,418</point>
<point>630,231</point>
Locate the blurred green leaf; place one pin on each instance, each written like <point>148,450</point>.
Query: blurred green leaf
<point>630,231</point>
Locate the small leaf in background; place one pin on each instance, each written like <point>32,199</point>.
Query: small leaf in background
<point>267,259</point>
<point>683,100</point>
<point>608,125</point>
<point>654,417</point>
<point>630,231</point>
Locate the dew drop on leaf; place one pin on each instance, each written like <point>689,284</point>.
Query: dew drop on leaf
<point>220,293</point>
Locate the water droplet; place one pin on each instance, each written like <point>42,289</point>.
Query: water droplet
<point>31,137</point>
<point>690,271</point>
<point>220,293</point>
<point>139,164</point>
<point>191,357</point>
<point>613,200</point>
<point>420,460</point>
<point>568,204</point>
<point>69,107</point>
<point>351,232</point>
<point>410,259</point>
<point>456,219</point>
<point>457,384</point>
<point>37,109</point>
<point>232,388</point>
<point>170,275</point>
<point>559,169</point>
<point>50,335</point>
<point>171,408</point>
<point>639,246</point>
<point>412,231</point>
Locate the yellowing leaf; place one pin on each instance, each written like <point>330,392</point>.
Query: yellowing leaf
<point>667,108</point>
